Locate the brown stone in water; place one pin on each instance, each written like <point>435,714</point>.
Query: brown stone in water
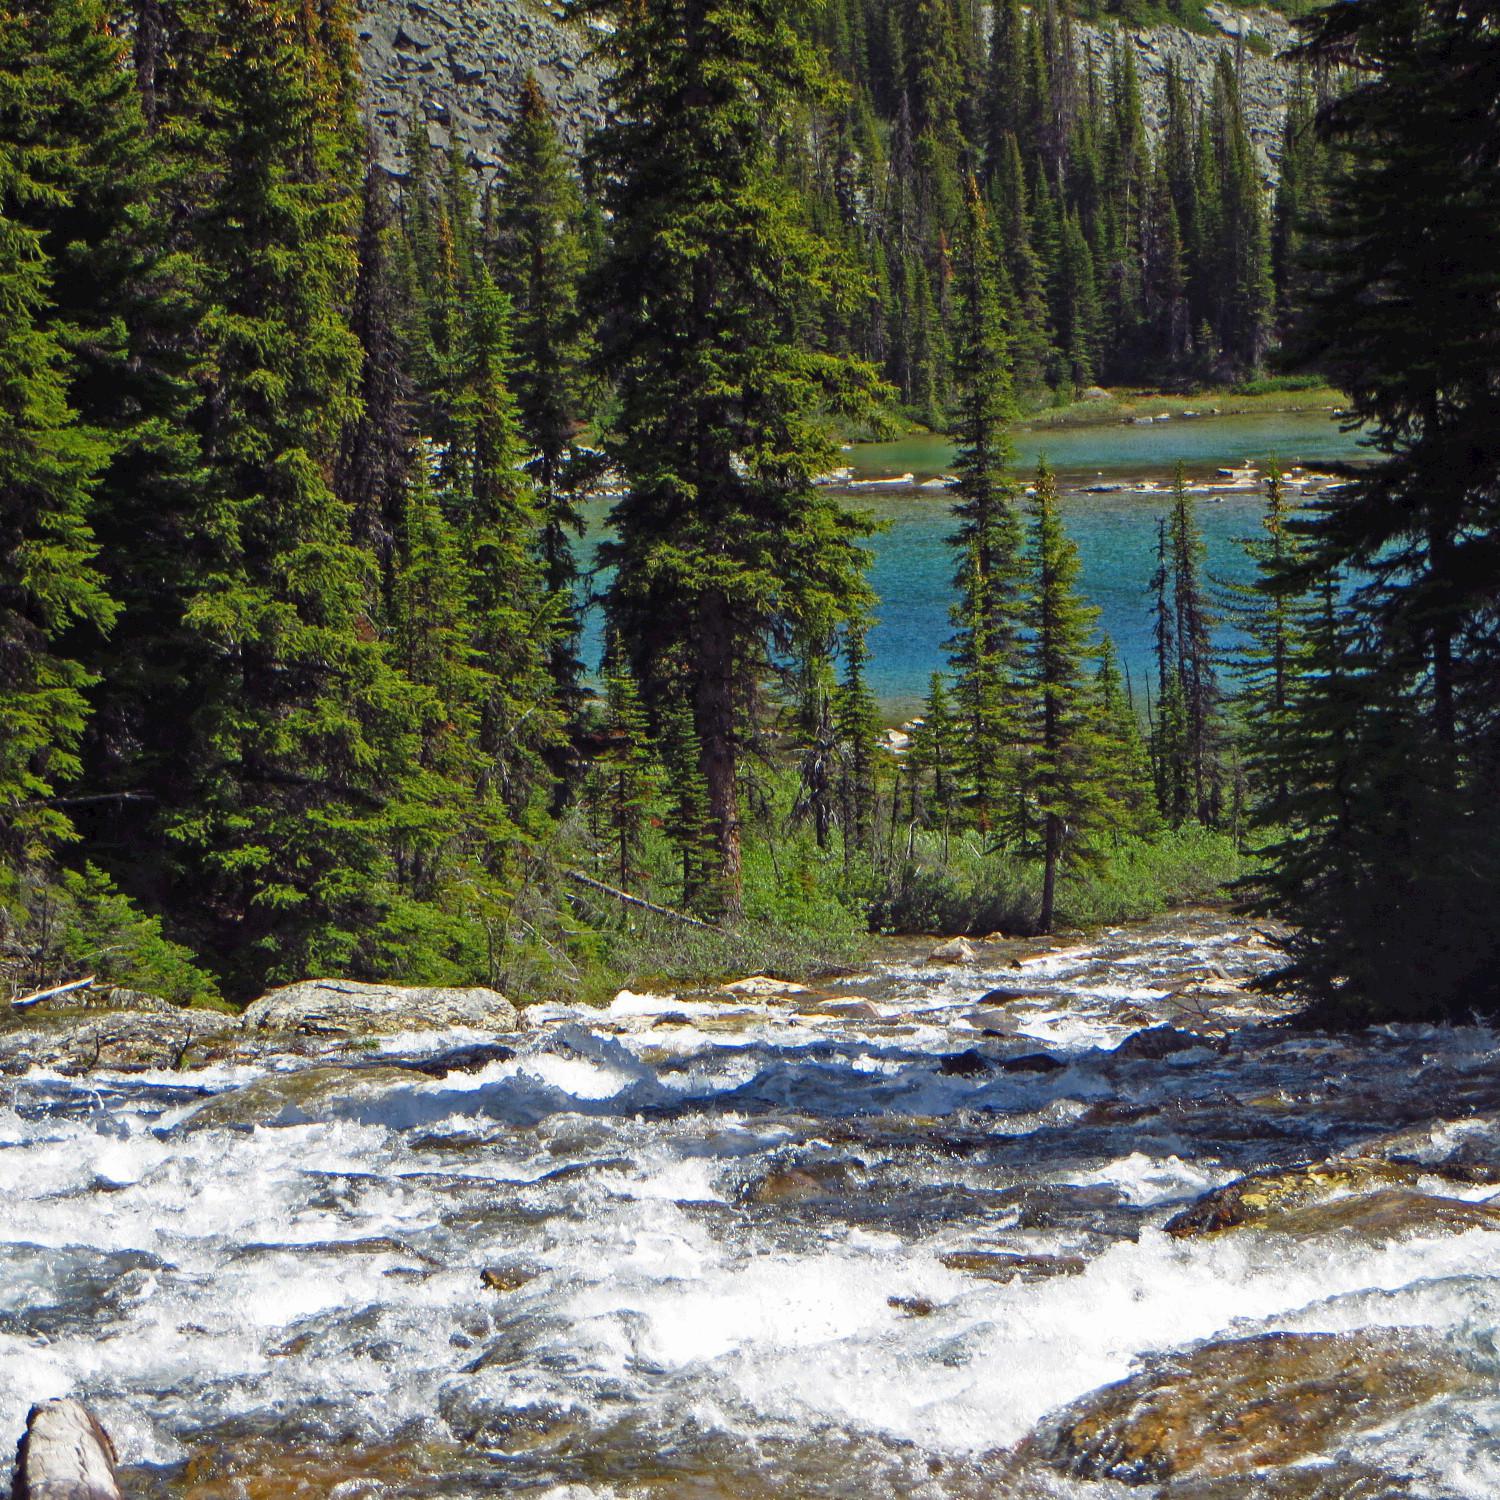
<point>64,1455</point>
<point>1274,1199</point>
<point>505,1278</point>
<point>1237,1405</point>
<point>1011,1265</point>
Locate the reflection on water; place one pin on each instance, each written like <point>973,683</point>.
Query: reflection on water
<point>729,1246</point>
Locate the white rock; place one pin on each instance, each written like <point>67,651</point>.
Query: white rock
<point>349,1007</point>
<point>955,951</point>
<point>65,1455</point>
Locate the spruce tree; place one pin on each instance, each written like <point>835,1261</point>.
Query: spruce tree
<point>988,535</point>
<point>1192,632</point>
<point>1071,800</point>
<point>304,734</point>
<point>722,541</point>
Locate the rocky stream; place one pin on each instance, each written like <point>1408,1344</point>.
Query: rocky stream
<point>1088,1220</point>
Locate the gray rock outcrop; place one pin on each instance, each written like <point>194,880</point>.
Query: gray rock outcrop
<point>64,1455</point>
<point>461,63</point>
<point>348,1007</point>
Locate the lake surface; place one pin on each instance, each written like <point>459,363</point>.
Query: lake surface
<point>912,563</point>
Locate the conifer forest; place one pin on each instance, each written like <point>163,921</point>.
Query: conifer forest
<point>429,575</point>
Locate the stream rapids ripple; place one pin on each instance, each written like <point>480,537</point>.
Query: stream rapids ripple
<point>904,1237</point>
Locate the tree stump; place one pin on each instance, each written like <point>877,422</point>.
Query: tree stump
<point>64,1455</point>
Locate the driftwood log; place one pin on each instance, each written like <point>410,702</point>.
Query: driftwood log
<point>64,1455</point>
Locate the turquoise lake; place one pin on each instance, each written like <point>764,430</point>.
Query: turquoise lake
<point>912,563</point>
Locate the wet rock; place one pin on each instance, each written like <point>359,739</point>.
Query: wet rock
<point>64,1455</point>
<point>799,1184</point>
<point>1011,1265</point>
<point>347,1007</point>
<point>1389,1214</point>
<point>1336,1481</point>
<point>460,1060</point>
<point>1158,1042</point>
<point>1236,1405</point>
<point>295,1098</point>
<point>763,987</point>
<point>1005,996</point>
<point>128,1041</point>
<point>955,951</point>
<point>1032,1062</point>
<point>1275,1198</point>
<point>968,1064</point>
<point>505,1278</point>
<point>849,1010</point>
<point>912,1307</point>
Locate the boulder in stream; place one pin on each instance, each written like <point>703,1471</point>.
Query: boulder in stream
<point>1377,1197</point>
<point>64,1455</point>
<point>1233,1406</point>
<point>955,951</point>
<point>349,1007</point>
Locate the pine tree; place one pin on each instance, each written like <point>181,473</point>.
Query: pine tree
<point>1122,763</point>
<point>722,540</point>
<point>1064,774</point>
<point>1397,884</point>
<point>624,779</point>
<point>1269,613</point>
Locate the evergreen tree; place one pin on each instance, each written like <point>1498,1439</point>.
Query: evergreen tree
<point>1192,633</point>
<point>988,535</point>
<point>1064,777</point>
<point>624,779</point>
<point>1397,880</point>
<point>539,258</point>
<point>857,724</point>
<point>304,734</point>
<point>721,540</point>
<point>48,464</point>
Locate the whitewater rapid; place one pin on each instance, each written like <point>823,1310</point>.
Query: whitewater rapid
<point>726,1245</point>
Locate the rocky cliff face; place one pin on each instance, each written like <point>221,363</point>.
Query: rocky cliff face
<point>461,62</point>
<point>1265,83</point>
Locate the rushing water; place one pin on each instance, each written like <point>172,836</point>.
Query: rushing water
<point>912,564</point>
<point>735,1247</point>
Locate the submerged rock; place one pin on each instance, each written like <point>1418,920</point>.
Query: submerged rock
<point>1237,1405</point>
<point>970,1063</point>
<point>1336,1481</point>
<point>347,1007</point>
<point>1368,1194</point>
<point>295,1098</point>
<point>1013,1265</point>
<point>1157,1042</point>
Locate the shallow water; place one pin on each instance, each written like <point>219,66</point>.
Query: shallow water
<point>737,1247</point>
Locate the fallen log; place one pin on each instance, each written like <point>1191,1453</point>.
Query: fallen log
<point>20,1002</point>
<point>64,1455</point>
<point>589,883</point>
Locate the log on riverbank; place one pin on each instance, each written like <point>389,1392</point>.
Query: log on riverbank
<point>64,1455</point>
